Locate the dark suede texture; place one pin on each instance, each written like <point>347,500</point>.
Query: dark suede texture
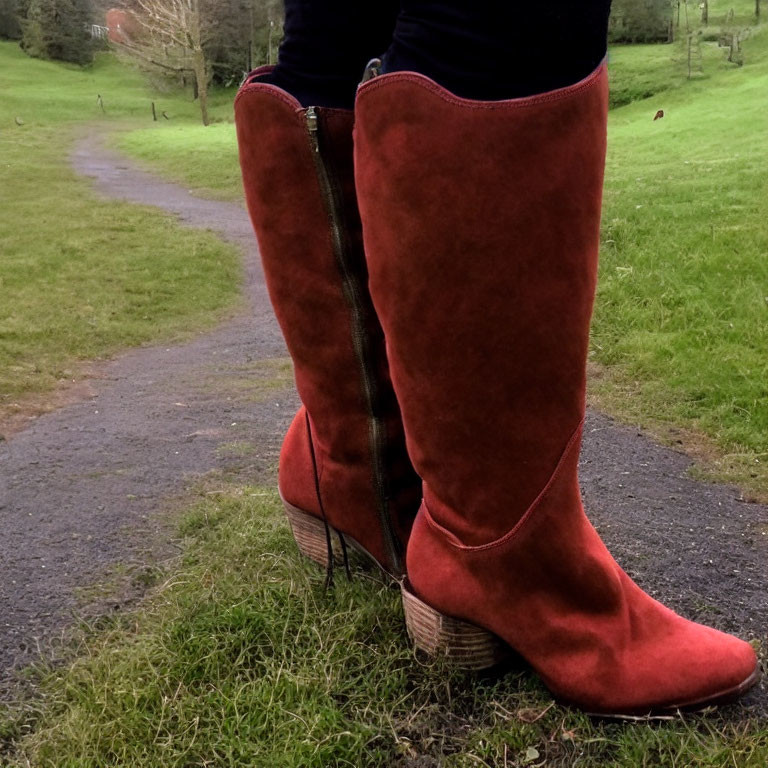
<point>481,227</point>
<point>290,216</point>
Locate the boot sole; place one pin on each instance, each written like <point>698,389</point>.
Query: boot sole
<point>473,648</point>
<point>309,533</point>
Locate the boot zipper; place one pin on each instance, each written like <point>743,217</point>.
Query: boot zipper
<point>352,291</point>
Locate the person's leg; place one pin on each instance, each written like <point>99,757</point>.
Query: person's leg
<point>343,462</point>
<point>326,46</point>
<point>481,225</point>
<point>487,49</point>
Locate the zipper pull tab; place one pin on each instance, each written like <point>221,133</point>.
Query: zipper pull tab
<point>311,120</point>
<point>313,128</point>
<point>372,69</point>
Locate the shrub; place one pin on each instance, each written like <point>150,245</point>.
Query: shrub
<point>59,29</point>
<point>640,21</point>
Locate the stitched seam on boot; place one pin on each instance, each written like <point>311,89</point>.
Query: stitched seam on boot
<point>262,69</point>
<point>273,92</point>
<point>454,541</point>
<point>559,94</point>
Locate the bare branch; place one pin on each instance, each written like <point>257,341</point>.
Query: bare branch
<point>171,36</point>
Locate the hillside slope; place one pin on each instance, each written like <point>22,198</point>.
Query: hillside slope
<point>682,313</point>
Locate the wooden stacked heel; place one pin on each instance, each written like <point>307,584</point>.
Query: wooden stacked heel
<point>463,644</point>
<point>311,539</point>
<point>310,535</point>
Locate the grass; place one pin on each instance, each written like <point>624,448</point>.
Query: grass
<point>241,659</point>
<point>205,159</point>
<point>681,320</point>
<point>82,277</point>
<point>50,93</point>
<point>642,71</point>
<point>726,14</point>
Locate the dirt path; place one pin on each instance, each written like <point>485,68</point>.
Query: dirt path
<point>81,488</point>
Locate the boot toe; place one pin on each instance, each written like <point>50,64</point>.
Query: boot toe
<point>720,668</point>
<point>695,668</point>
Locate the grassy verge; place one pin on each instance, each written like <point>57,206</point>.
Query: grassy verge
<point>205,159</point>
<point>241,659</point>
<point>644,71</point>
<point>641,71</point>
<point>82,277</point>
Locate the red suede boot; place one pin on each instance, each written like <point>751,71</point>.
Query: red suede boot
<point>343,461</point>
<point>481,223</point>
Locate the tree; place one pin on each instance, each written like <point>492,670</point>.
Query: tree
<point>172,37</point>
<point>10,19</point>
<point>640,21</point>
<point>265,31</point>
<point>59,29</point>
<point>246,33</point>
<point>227,47</point>
<point>209,40</point>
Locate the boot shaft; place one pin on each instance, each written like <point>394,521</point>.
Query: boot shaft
<point>481,228</point>
<point>299,186</point>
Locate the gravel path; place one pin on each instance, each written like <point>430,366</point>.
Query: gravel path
<point>82,487</point>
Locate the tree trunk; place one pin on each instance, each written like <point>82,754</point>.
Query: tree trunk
<point>201,79</point>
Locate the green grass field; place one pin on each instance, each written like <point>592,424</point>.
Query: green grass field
<point>240,659</point>
<point>681,322</point>
<point>203,158</point>
<point>49,93</point>
<point>82,277</point>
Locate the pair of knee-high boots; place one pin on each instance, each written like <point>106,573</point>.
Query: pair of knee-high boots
<point>432,263</point>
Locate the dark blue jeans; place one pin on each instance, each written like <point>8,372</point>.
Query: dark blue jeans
<point>481,49</point>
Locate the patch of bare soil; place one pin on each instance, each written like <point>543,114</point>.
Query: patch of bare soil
<point>18,415</point>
